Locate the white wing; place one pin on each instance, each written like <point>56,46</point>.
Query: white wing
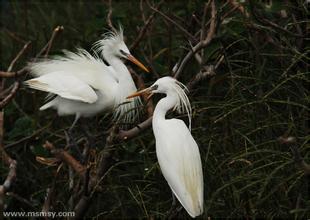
<point>180,163</point>
<point>64,85</point>
<point>89,69</point>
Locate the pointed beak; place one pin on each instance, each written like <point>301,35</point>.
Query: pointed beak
<point>149,96</point>
<point>139,93</point>
<point>137,62</point>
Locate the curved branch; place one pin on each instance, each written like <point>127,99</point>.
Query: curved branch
<point>10,96</point>
<point>109,17</point>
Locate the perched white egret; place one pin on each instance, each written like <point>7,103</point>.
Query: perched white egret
<point>177,151</point>
<point>83,85</point>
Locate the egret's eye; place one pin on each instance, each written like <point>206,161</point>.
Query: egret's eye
<point>123,52</point>
<point>154,87</point>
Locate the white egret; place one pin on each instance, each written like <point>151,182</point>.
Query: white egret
<point>83,85</point>
<point>177,151</point>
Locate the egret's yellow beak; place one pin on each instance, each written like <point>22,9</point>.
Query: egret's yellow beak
<point>139,93</point>
<point>137,62</point>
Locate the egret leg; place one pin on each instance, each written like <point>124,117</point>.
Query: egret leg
<point>89,139</point>
<point>174,208</point>
<point>174,201</point>
<point>88,134</point>
<point>71,140</point>
<point>77,116</point>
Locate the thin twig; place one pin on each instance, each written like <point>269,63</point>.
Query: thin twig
<point>21,199</point>
<point>9,73</point>
<point>270,23</point>
<point>10,96</point>
<point>50,42</point>
<point>33,135</point>
<point>202,44</point>
<point>12,74</point>
<point>109,17</point>
<point>299,160</point>
<point>203,23</point>
<point>146,25</point>
<point>238,6</point>
<point>47,47</point>
<point>189,35</point>
<point>14,35</point>
<point>20,53</point>
<point>11,163</point>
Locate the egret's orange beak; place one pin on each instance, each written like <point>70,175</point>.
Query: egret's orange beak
<point>139,93</point>
<point>137,62</point>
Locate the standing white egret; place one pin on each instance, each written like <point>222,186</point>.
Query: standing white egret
<point>83,85</point>
<point>177,151</point>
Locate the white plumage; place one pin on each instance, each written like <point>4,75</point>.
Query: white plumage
<point>177,151</point>
<point>84,85</point>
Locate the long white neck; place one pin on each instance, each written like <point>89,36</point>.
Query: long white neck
<point>164,105</point>
<point>125,85</point>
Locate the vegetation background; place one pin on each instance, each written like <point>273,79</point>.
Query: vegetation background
<point>250,107</point>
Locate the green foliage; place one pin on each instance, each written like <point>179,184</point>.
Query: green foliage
<point>23,126</point>
<point>258,94</point>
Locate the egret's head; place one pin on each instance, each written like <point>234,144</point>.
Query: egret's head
<point>164,85</point>
<point>169,85</point>
<point>113,45</point>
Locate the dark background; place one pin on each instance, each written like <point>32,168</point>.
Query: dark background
<point>256,94</point>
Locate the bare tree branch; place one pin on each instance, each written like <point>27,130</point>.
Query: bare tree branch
<point>10,96</point>
<point>50,42</point>
<point>202,44</point>
<point>184,31</point>
<point>11,163</point>
<point>270,23</point>
<point>109,17</point>
<point>94,181</point>
<point>203,22</point>
<point>237,5</point>
<point>66,158</point>
<point>129,134</point>
<point>20,53</point>
<point>146,25</point>
<point>8,73</point>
